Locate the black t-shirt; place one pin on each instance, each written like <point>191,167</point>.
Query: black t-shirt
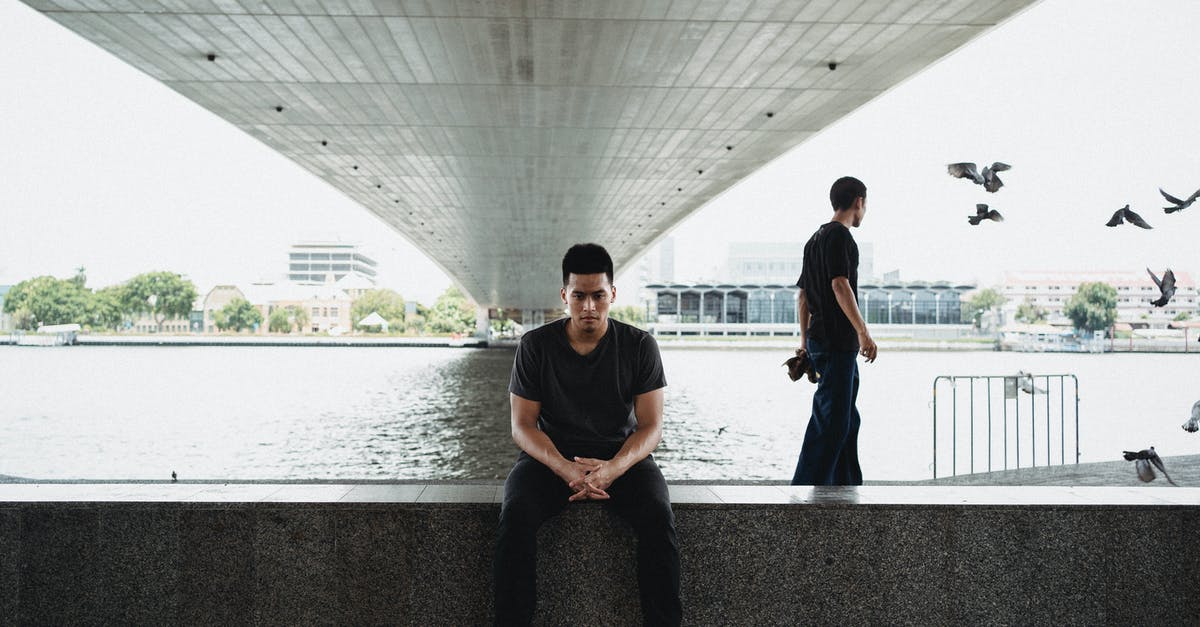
<point>829,253</point>
<point>587,400</point>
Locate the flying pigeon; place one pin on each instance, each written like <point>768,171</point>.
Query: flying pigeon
<point>982,213</point>
<point>987,178</point>
<point>800,366</point>
<point>1193,425</point>
<point>1025,382</point>
<point>1123,214</point>
<point>1166,286</point>
<point>1180,205</point>
<point>991,182</point>
<point>1143,459</point>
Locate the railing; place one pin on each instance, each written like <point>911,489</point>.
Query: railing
<point>998,406</point>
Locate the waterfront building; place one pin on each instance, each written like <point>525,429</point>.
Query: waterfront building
<point>329,262</point>
<point>1051,291</point>
<point>327,305</point>
<point>781,262</point>
<point>215,300</point>
<point>771,308</point>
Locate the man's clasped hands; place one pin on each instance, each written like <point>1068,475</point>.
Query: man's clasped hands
<point>590,478</point>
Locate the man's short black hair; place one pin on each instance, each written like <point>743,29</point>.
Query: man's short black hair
<point>844,191</point>
<point>587,259</point>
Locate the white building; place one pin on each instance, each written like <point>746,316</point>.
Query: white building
<point>328,262</point>
<point>1135,290</point>
<point>781,262</point>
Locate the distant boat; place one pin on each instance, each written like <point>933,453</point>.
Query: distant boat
<point>49,335</point>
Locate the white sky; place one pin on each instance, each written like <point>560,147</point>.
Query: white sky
<point>1093,102</point>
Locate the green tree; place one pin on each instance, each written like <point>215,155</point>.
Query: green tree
<point>980,302</point>
<point>629,314</point>
<point>452,313</point>
<point>284,319</point>
<point>1028,312</point>
<point>278,321</point>
<point>107,307</point>
<point>299,316</point>
<point>47,300</point>
<point>1093,307</point>
<point>415,324</point>
<point>385,302</point>
<point>238,314</point>
<point>160,295</point>
<point>1182,316</point>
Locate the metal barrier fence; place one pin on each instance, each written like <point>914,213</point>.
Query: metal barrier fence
<point>999,406</point>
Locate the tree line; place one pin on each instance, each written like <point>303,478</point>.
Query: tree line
<point>46,300</point>
<point>163,296</point>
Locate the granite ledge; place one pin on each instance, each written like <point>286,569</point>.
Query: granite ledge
<point>489,494</point>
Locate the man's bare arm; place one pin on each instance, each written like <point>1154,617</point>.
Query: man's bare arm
<point>648,408</point>
<point>845,299</point>
<point>536,444</point>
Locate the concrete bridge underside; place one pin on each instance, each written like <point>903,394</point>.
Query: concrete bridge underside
<point>493,134</point>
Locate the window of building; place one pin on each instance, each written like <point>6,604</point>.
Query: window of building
<point>333,312</point>
<point>316,311</point>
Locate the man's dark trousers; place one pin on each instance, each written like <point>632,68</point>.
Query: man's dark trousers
<point>830,452</point>
<point>533,493</point>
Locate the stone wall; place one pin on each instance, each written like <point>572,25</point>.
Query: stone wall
<point>421,555</point>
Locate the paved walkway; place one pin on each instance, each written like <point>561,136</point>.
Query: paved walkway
<point>1184,469</point>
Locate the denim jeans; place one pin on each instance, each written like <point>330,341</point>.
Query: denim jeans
<point>533,493</point>
<point>829,455</point>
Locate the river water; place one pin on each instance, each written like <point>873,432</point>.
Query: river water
<point>321,413</point>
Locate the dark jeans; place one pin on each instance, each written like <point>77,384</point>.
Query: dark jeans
<point>533,493</point>
<point>830,452</point>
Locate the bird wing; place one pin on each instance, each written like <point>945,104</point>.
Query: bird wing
<point>1158,463</point>
<point>995,215</point>
<point>1169,197</point>
<point>992,183</point>
<point>960,170</point>
<point>1136,219</point>
<point>1117,218</point>
<point>1157,283</point>
<point>1000,167</point>
<point>1194,196</point>
<point>1168,281</point>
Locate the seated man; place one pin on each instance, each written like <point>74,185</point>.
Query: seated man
<point>587,402</point>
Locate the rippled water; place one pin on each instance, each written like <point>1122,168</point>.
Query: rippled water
<point>437,413</point>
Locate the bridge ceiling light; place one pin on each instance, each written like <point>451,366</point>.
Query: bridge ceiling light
<point>279,108</point>
<point>212,57</point>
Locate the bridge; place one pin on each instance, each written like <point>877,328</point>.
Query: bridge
<point>494,134</point>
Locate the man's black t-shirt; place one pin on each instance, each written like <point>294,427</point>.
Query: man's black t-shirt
<point>587,400</point>
<point>829,253</point>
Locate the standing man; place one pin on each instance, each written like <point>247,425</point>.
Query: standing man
<point>587,403</point>
<point>833,332</point>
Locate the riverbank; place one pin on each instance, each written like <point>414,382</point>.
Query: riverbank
<point>280,340</point>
